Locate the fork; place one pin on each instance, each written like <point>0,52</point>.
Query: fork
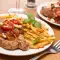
<point>55,48</point>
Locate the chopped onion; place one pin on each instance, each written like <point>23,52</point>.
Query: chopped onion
<point>17,26</point>
<point>1,23</point>
<point>52,20</point>
<point>3,35</point>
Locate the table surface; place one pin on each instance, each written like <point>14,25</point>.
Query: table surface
<point>4,6</point>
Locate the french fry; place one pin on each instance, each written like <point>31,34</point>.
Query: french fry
<point>34,35</point>
<point>28,36</point>
<point>42,44</point>
<point>6,16</point>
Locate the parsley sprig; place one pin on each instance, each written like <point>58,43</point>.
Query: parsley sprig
<point>31,19</point>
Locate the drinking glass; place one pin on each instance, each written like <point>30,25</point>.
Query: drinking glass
<point>9,5</point>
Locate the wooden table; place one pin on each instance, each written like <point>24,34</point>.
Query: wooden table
<point>55,28</point>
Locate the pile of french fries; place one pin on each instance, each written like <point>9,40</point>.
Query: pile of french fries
<point>31,33</point>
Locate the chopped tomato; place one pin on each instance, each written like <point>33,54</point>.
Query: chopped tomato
<point>58,13</point>
<point>58,3</point>
<point>15,21</point>
<point>6,22</point>
<point>7,26</point>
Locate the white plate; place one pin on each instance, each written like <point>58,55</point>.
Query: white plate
<point>30,51</point>
<point>45,18</point>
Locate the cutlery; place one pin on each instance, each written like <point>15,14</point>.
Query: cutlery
<point>55,48</point>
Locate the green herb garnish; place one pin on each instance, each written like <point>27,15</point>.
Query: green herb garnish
<point>37,24</point>
<point>30,16</point>
<point>26,21</point>
<point>31,19</point>
<point>35,41</point>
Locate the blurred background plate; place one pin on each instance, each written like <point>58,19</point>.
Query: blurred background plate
<point>45,18</point>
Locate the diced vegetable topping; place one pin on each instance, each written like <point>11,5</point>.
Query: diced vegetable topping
<point>7,25</point>
<point>10,24</point>
<point>15,21</point>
